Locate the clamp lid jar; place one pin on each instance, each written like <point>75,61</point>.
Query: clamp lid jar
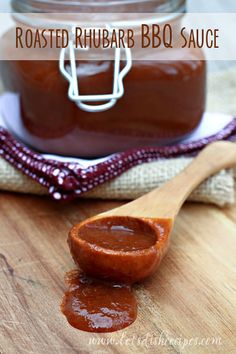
<point>158,102</point>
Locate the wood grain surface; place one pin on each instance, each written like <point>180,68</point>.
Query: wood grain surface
<point>191,297</point>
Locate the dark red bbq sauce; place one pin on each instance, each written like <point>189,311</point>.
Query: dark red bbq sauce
<point>93,305</point>
<point>118,235</point>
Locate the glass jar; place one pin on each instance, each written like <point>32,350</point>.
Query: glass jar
<point>163,101</point>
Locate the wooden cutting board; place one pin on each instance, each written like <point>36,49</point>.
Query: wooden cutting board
<point>188,306</point>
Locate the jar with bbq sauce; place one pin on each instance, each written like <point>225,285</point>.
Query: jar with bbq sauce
<point>159,102</point>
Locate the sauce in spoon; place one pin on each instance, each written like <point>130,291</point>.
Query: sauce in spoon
<point>118,235</point>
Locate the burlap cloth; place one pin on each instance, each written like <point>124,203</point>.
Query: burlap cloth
<point>219,189</point>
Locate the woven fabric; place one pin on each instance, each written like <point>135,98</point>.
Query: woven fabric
<point>219,189</point>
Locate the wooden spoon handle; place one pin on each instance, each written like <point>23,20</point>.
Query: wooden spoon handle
<point>212,159</point>
<point>166,201</point>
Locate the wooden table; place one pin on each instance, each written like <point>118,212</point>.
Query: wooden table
<point>191,298</point>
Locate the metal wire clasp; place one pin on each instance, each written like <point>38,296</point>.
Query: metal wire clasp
<point>72,76</point>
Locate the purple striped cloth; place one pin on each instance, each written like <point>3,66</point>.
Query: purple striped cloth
<point>67,180</point>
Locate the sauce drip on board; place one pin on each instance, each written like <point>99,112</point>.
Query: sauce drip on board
<point>97,306</point>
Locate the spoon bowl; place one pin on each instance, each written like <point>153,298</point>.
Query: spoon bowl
<point>124,249</point>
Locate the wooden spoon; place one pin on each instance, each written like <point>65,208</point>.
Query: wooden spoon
<point>128,243</point>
